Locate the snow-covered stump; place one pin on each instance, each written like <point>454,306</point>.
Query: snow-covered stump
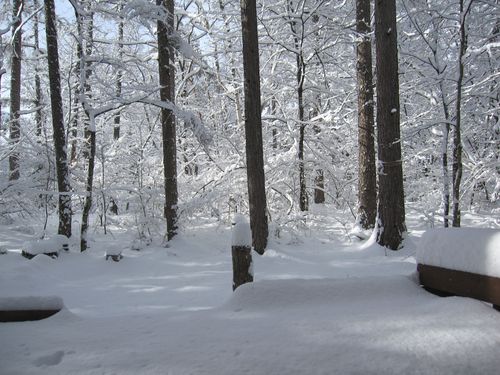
<point>463,262</point>
<point>20,309</point>
<point>48,246</point>
<point>241,250</point>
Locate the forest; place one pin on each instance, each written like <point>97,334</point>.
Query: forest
<point>332,134</point>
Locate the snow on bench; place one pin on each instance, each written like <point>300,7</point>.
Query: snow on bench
<point>18,309</point>
<point>48,246</point>
<point>461,261</point>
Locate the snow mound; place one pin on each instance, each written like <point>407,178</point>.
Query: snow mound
<point>306,293</point>
<point>462,249</point>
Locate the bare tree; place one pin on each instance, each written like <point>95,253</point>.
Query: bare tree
<point>119,75</point>
<point>457,135</point>
<point>15,88</point>
<point>38,84</point>
<point>391,208</point>
<point>167,94</point>
<point>367,182</point>
<point>58,121</point>
<point>253,126</point>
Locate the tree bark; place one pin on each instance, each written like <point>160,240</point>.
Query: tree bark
<point>167,94</point>
<point>58,121</point>
<point>242,265</point>
<point>391,209</point>
<point>38,85</point>
<point>119,76</point>
<point>303,199</point>
<point>88,187</point>
<point>90,126</point>
<point>457,136</point>
<point>367,182</point>
<point>253,127</point>
<point>15,89</point>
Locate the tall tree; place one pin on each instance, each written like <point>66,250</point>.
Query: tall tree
<point>15,88</point>
<point>119,74</point>
<point>90,126</point>
<point>38,84</point>
<point>457,131</point>
<point>391,208</point>
<point>253,126</point>
<point>58,120</point>
<point>167,94</point>
<point>367,181</point>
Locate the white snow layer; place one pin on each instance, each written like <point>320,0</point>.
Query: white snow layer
<point>321,305</point>
<point>462,249</point>
<point>241,232</point>
<point>47,245</point>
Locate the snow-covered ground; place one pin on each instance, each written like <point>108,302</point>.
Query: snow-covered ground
<point>322,303</point>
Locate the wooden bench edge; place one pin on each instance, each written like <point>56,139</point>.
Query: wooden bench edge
<point>460,283</point>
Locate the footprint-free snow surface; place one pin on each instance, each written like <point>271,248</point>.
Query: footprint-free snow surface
<point>320,305</point>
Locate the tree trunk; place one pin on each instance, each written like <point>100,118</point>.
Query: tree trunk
<point>167,94</point>
<point>76,95</point>
<point>253,127</point>
<point>303,199</point>
<point>88,187</point>
<point>58,121</point>
<point>457,137</point>
<point>367,182</point>
<point>119,76</point>
<point>391,209</point>
<point>15,89</point>
<point>89,127</point>
<point>2,72</point>
<point>242,265</point>
<point>38,85</point>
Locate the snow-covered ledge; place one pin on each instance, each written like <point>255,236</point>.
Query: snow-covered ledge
<point>461,261</point>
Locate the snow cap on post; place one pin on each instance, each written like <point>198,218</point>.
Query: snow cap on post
<point>241,233</point>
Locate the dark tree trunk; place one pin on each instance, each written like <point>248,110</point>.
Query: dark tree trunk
<point>167,94</point>
<point>319,190</point>
<point>457,137</point>
<point>367,182</point>
<point>38,85</point>
<point>253,127</point>
<point>58,121</point>
<point>119,76</point>
<point>242,265</point>
<point>15,89</point>
<point>303,199</point>
<point>391,208</point>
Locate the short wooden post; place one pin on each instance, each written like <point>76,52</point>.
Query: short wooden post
<point>241,251</point>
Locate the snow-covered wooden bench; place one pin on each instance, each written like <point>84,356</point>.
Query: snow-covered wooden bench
<point>19,309</point>
<point>47,246</point>
<point>461,261</point>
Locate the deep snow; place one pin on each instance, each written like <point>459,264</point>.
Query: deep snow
<point>322,304</point>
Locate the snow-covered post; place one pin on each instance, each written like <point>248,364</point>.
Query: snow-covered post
<point>241,250</point>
